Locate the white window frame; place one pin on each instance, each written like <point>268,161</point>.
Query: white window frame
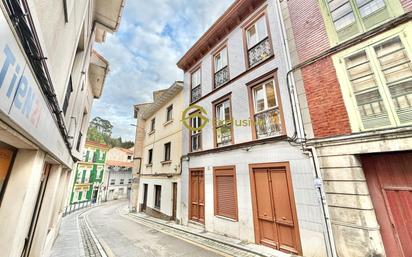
<point>404,32</point>
<point>265,99</point>
<point>223,53</point>
<point>259,38</point>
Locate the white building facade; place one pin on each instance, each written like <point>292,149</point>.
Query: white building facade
<point>243,174</point>
<point>159,142</point>
<point>118,178</point>
<point>45,103</point>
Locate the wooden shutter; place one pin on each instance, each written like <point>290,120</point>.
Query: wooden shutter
<point>225,192</point>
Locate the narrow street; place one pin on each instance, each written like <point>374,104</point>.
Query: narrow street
<point>121,236</point>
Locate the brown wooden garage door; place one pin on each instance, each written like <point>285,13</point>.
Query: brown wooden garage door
<point>274,209</point>
<point>197,195</point>
<point>389,178</point>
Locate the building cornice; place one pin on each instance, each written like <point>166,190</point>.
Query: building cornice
<point>233,16</point>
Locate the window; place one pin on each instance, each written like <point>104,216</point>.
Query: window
<point>158,195</point>
<point>152,125</point>
<point>266,112</point>
<point>122,181</point>
<point>169,113</point>
<point>129,181</point>
<point>6,158</point>
<point>380,78</point>
<point>350,17</point>
<point>129,157</point>
<point>112,181</point>
<point>196,135</point>
<point>196,85</point>
<point>150,156</point>
<point>167,151</point>
<point>257,40</point>
<point>223,123</point>
<point>225,192</point>
<point>221,69</point>
<point>69,92</point>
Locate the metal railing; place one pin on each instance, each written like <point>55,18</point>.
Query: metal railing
<point>77,206</point>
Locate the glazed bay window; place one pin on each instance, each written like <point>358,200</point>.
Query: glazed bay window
<point>258,43</point>
<point>221,68</point>
<point>380,79</point>
<point>350,17</point>
<point>195,135</point>
<point>267,119</point>
<point>196,83</point>
<point>223,123</point>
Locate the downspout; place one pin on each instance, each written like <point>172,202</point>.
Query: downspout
<point>322,194</point>
<point>300,134</point>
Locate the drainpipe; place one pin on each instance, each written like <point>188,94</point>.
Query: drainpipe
<point>325,209</point>
<point>300,133</point>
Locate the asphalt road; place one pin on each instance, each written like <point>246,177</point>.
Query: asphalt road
<point>126,238</point>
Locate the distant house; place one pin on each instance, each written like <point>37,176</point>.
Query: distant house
<point>89,173</point>
<point>118,174</point>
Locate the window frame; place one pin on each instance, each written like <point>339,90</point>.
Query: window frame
<point>262,13</point>
<point>167,146</point>
<point>403,32</point>
<point>272,75</point>
<point>169,113</point>
<point>216,52</point>
<point>225,171</point>
<point>152,125</point>
<point>67,96</point>
<point>394,9</point>
<point>215,103</point>
<point>150,156</point>
<point>197,68</point>
<point>191,134</point>
<point>157,199</point>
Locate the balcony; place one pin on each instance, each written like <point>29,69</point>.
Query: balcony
<point>260,52</point>
<point>196,93</point>
<point>221,76</point>
<point>268,123</point>
<point>196,142</point>
<point>223,135</point>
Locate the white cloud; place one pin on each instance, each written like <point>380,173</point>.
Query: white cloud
<point>143,54</point>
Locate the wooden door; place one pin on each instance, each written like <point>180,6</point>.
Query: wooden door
<point>274,209</point>
<point>389,179</point>
<point>197,196</point>
<point>174,185</point>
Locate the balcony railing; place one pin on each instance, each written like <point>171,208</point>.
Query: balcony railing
<point>224,135</point>
<point>196,93</point>
<point>268,123</point>
<point>222,76</point>
<point>260,52</point>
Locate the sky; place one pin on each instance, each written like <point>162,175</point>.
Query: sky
<point>153,36</point>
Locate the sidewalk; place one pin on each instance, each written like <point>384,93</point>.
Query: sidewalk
<point>69,242</point>
<point>230,246</point>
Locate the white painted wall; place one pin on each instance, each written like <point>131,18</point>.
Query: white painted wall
<point>311,224</point>
<point>166,201</point>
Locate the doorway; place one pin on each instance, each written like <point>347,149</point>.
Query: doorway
<point>35,217</point>
<point>274,210</point>
<point>197,195</point>
<point>389,179</point>
<point>145,188</point>
<point>174,207</point>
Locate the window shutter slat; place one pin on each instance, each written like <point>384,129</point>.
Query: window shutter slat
<point>226,200</point>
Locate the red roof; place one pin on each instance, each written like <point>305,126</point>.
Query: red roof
<point>119,163</point>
